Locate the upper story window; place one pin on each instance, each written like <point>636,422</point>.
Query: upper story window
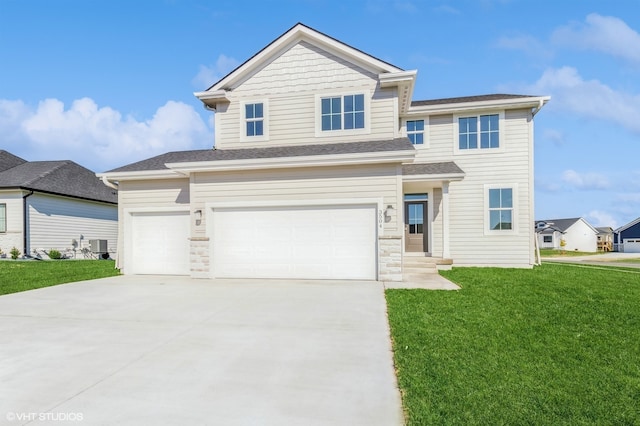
<point>254,118</point>
<point>3,218</point>
<point>500,209</point>
<point>479,132</point>
<point>415,131</point>
<point>343,112</point>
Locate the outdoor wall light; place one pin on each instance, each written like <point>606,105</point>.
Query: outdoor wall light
<point>198,215</point>
<point>387,212</point>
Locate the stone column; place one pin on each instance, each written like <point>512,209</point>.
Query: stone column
<point>199,255</point>
<point>390,258</point>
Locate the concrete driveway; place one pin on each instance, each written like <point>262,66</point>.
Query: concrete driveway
<point>176,351</point>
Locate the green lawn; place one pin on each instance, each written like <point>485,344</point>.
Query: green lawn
<point>18,275</point>
<point>556,253</point>
<point>557,345</point>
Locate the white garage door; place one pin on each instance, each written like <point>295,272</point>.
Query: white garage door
<point>336,242</point>
<point>631,245</point>
<point>160,243</point>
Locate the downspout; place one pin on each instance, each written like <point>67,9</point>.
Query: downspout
<point>108,183</point>
<point>537,109</point>
<point>25,215</point>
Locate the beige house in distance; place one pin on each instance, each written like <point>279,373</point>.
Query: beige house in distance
<point>324,167</point>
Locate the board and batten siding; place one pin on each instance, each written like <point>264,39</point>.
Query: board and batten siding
<point>53,222</point>
<point>13,237</point>
<point>149,194</point>
<point>296,184</point>
<point>469,243</point>
<point>289,86</point>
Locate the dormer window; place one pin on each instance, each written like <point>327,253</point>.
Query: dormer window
<point>254,116</point>
<point>343,112</point>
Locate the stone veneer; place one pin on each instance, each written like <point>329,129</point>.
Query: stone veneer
<point>390,258</point>
<point>199,255</point>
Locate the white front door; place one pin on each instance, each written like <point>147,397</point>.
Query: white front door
<point>160,243</point>
<point>315,242</point>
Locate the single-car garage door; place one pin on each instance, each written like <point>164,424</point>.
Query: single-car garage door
<point>333,242</point>
<point>631,245</point>
<point>160,243</point>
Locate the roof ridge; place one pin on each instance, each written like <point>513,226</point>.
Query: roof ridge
<point>47,172</point>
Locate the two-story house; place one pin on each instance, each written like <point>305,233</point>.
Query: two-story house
<point>324,167</point>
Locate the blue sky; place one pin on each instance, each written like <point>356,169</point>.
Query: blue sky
<point>106,83</point>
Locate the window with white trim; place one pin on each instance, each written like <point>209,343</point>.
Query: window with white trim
<point>254,119</point>
<point>500,209</point>
<point>479,132</point>
<point>3,218</point>
<point>415,131</point>
<point>342,112</point>
<point>547,238</point>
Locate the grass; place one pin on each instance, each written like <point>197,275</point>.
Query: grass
<point>16,276</point>
<point>557,345</point>
<point>567,253</point>
<point>628,260</point>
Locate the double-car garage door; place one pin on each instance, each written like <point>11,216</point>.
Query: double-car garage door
<point>308,242</point>
<point>631,245</point>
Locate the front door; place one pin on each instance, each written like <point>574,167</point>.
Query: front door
<point>415,225</point>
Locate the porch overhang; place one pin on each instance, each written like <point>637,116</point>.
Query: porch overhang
<point>432,172</point>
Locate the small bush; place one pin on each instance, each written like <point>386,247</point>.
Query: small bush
<point>15,253</point>
<point>54,254</point>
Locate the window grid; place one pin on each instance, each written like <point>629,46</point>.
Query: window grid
<point>489,132</point>
<point>254,115</point>
<point>343,112</point>
<point>501,209</point>
<point>415,131</point>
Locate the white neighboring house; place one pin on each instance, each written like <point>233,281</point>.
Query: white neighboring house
<point>58,205</point>
<point>325,167</point>
<point>578,234</point>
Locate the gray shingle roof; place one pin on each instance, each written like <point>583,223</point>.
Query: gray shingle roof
<point>158,163</point>
<point>559,225</point>
<point>463,99</point>
<point>58,177</point>
<point>444,168</point>
<point>8,160</point>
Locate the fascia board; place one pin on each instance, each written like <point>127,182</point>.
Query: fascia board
<point>146,174</point>
<point>211,95</point>
<point>289,162</point>
<point>435,177</point>
<point>391,79</point>
<point>628,225</point>
<point>530,102</point>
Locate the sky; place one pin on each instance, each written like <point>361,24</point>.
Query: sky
<point>108,82</point>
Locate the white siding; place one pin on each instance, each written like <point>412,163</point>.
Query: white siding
<point>512,165</point>
<point>13,237</point>
<point>352,183</point>
<point>290,83</point>
<point>581,237</point>
<point>53,223</point>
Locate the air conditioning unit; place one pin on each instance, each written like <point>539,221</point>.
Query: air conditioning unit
<point>98,246</point>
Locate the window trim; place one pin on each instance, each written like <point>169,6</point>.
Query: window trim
<point>425,139</point>
<point>3,206</point>
<point>514,210</point>
<point>319,133</point>
<point>544,238</point>
<point>265,121</point>
<point>476,151</point>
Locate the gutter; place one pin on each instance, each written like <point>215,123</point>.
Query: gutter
<point>538,108</point>
<point>25,213</point>
<point>108,183</point>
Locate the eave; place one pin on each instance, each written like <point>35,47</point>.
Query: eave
<point>405,82</point>
<point>433,177</point>
<point>139,175</point>
<point>186,168</point>
<point>532,102</point>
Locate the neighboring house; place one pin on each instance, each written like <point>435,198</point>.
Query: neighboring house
<point>627,238</point>
<point>48,205</point>
<point>324,167</point>
<point>577,234</point>
<point>605,238</point>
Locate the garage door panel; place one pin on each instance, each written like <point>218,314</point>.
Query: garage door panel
<point>160,243</point>
<point>632,245</point>
<point>295,242</point>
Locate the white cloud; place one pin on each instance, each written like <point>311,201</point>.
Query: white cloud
<point>99,138</point>
<point>606,34</point>
<point>585,181</point>
<point>209,74</point>
<point>589,98</point>
<point>555,136</point>
<point>600,218</point>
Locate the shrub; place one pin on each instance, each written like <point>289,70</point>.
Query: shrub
<point>54,254</point>
<point>15,253</point>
